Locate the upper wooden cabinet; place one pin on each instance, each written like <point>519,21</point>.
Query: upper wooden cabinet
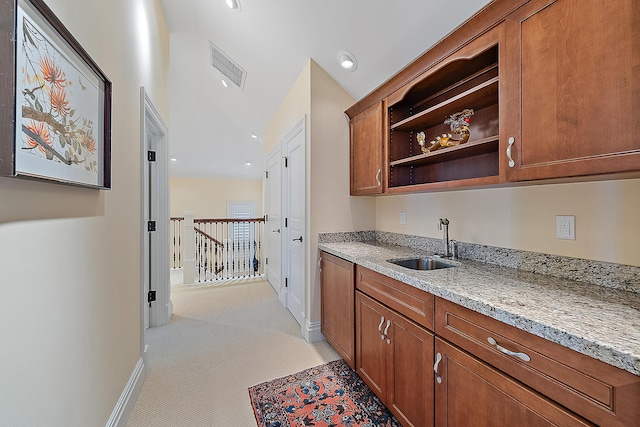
<point>467,79</point>
<point>367,169</point>
<point>573,85</point>
<point>555,90</point>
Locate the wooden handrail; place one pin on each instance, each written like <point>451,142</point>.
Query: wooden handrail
<point>199,221</point>
<point>197,230</point>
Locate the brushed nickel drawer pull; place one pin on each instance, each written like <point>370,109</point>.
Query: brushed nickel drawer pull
<point>380,327</point>
<point>523,356</point>
<point>378,177</point>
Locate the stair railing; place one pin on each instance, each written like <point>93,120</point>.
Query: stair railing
<point>225,248</point>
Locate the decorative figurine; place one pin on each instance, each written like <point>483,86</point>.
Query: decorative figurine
<point>459,123</point>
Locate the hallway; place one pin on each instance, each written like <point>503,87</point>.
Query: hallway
<point>221,340</point>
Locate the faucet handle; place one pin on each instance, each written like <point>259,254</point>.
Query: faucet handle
<point>441,222</point>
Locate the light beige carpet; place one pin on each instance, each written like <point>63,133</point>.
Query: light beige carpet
<point>221,340</point>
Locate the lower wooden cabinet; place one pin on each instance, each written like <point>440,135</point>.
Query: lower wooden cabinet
<point>394,356</point>
<point>383,328</point>
<point>470,392</point>
<point>596,391</point>
<point>337,292</point>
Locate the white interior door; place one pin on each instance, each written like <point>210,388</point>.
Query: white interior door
<point>295,236</point>
<point>273,226</point>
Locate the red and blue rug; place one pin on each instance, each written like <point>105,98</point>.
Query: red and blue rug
<point>325,396</point>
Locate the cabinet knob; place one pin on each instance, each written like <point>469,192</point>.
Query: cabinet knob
<point>512,140</point>
<point>378,177</point>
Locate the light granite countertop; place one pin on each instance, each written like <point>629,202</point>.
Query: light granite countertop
<point>600,322</point>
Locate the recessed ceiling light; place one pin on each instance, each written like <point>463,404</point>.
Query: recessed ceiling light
<point>233,4</point>
<point>347,60</point>
<point>224,83</point>
<point>174,160</point>
<point>254,136</point>
<point>247,163</point>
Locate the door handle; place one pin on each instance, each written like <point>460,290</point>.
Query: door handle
<point>378,177</point>
<point>386,330</point>
<point>380,327</point>
<point>511,162</point>
<point>299,238</point>
<point>276,231</point>
<point>435,368</point>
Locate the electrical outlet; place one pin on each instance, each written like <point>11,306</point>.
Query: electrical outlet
<point>403,218</point>
<point>566,227</point>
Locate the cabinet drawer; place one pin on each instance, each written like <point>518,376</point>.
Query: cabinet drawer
<point>414,303</point>
<point>597,391</point>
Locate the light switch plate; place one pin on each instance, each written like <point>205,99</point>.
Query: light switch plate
<point>566,227</point>
<point>403,218</point>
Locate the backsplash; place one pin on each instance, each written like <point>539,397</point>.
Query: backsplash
<point>599,273</point>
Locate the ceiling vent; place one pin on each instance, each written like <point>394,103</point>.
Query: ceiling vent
<point>227,66</point>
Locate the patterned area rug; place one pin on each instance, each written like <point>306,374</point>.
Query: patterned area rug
<point>327,395</point>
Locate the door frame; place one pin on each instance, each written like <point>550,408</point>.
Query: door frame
<point>152,124</point>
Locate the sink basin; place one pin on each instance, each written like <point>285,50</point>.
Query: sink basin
<point>421,263</point>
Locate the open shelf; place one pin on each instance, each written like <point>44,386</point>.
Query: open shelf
<point>471,82</point>
<point>478,97</point>
<point>469,149</point>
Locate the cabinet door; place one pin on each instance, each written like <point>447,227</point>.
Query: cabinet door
<point>410,372</point>
<point>371,320</point>
<point>574,88</point>
<point>337,295</point>
<point>366,152</point>
<point>469,392</point>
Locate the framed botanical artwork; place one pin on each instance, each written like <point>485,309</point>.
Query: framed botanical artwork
<point>55,102</point>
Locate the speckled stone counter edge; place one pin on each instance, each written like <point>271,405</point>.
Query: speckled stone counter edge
<point>519,299</point>
<point>599,273</point>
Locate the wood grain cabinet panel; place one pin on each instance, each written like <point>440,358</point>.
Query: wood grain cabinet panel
<point>472,393</point>
<point>337,296</point>
<point>573,88</point>
<point>366,139</point>
<point>411,302</point>
<point>395,358</point>
<point>599,392</point>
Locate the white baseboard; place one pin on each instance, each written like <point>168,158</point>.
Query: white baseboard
<point>311,332</point>
<point>127,401</point>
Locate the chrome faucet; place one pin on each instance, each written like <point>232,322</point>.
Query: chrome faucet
<point>443,224</point>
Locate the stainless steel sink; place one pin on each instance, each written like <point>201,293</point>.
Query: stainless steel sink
<point>421,263</point>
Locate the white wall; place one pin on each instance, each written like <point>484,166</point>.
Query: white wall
<point>329,206</point>
<point>70,257</point>
<point>207,198</point>
<point>607,213</point>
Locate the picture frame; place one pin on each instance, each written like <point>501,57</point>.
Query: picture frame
<point>55,102</point>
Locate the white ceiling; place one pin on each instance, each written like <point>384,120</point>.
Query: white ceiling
<point>211,126</point>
